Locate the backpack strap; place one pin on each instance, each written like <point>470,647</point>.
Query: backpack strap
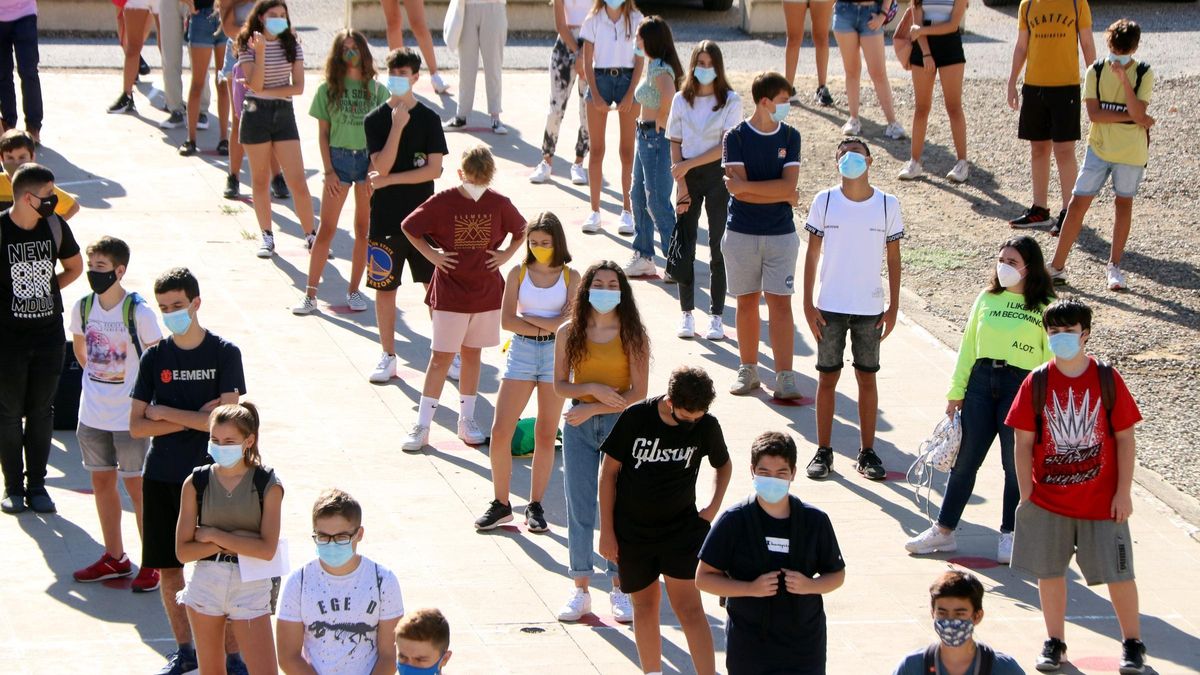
<point>762,559</point>
<point>930,660</point>
<point>1040,376</point>
<point>1140,72</point>
<point>262,478</point>
<point>129,314</point>
<point>56,231</point>
<point>796,534</point>
<point>200,476</point>
<point>987,659</point>
<point>85,310</point>
<point>1108,392</point>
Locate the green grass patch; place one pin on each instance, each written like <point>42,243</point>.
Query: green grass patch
<point>932,258</point>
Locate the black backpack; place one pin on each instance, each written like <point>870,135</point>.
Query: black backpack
<point>1108,394</point>
<point>987,657</point>
<point>1098,68</point>
<point>200,475</point>
<point>762,558</point>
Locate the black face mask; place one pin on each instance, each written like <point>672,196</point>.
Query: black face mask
<point>46,205</point>
<point>101,281</point>
<point>684,425</point>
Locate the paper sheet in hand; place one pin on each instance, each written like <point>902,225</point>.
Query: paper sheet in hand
<point>253,569</point>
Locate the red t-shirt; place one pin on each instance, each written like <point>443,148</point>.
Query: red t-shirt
<point>470,229</point>
<point>1075,460</point>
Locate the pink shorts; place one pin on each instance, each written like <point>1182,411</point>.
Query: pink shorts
<point>454,330</point>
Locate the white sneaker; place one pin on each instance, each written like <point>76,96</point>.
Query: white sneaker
<point>455,368</point>
<point>356,301</point>
<point>716,328</point>
<point>579,174</point>
<point>469,432</point>
<point>416,439</point>
<point>579,604</point>
<point>306,306</point>
<point>894,131</point>
<point>931,540</point>
<point>687,327</point>
<point>267,248</point>
<point>541,173</point>
<point>640,267</point>
<point>911,171</point>
<point>796,100</point>
<point>852,127</point>
<point>592,224</point>
<point>1004,548</point>
<point>310,240</point>
<point>1116,278</point>
<point>961,172</point>
<point>439,85</point>
<point>498,127</point>
<point>1059,277</point>
<point>385,371</point>
<point>622,608</point>
<point>626,226</point>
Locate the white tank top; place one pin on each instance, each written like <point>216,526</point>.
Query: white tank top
<point>541,302</point>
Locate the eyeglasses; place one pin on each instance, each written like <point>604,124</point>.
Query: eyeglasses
<point>339,538</point>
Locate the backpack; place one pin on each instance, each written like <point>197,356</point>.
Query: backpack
<point>1108,394</point>
<point>200,475</point>
<point>762,559</point>
<point>128,314</point>
<point>987,657</point>
<point>1140,72</point>
<point>829,194</point>
<point>56,224</point>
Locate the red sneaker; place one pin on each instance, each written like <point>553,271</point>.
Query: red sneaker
<point>107,567</point>
<point>146,581</point>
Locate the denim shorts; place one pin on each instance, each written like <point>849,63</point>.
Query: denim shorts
<point>204,29</point>
<point>849,17</point>
<point>350,165</point>
<point>230,59</point>
<point>267,120</point>
<point>864,342</point>
<point>612,84</point>
<point>217,589</point>
<point>530,360</point>
<point>1095,172</point>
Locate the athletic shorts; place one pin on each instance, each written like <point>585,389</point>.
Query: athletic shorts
<point>108,450</point>
<point>217,589</point>
<point>267,120</point>
<point>760,263</point>
<point>642,564</point>
<point>1049,114</point>
<point>1044,542</point>
<point>864,342</point>
<point>386,254</point>
<point>1095,172</point>
<point>455,330</point>
<point>160,512</point>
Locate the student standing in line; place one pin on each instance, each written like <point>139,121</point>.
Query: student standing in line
<point>858,27</point>
<point>536,296</point>
<point>205,41</point>
<point>342,102</point>
<point>565,64</point>
<point>601,363</point>
<point>134,17</point>
<point>1002,342</point>
<point>415,9</point>
<point>701,113</point>
<point>18,148</point>
<point>19,39</point>
<point>611,66</point>
<point>821,12</point>
<point>484,32</point>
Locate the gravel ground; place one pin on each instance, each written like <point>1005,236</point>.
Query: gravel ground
<point>1149,333</point>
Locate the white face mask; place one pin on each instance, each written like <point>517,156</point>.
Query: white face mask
<point>474,191</point>
<point>1008,275</point>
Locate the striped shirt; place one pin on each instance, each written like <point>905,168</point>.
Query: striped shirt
<point>277,70</point>
<point>937,11</point>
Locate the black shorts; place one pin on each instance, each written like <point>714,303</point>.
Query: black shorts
<point>160,513</point>
<point>387,251</point>
<point>267,120</point>
<point>640,565</point>
<point>946,50</point>
<point>1049,114</point>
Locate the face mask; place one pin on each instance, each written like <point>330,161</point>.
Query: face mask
<point>350,56</point>
<point>781,111</point>
<point>1065,345</point>
<point>335,554</point>
<point>405,669</point>
<point>45,207</point>
<point>852,165</point>
<point>1122,59</point>
<point>638,51</point>
<point>101,281</point>
<point>615,4</point>
<point>398,85</point>
<point>275,24</point>
<point>604,300</point>
<point>684,425</point>
<point>226,455</point>
<point>772,490</point>
<point>542,254</point>
<point>178,322</point>
<point>953,632</point>
<point>1008,275</point>
<point>704,75</point>
<point>474,191</point>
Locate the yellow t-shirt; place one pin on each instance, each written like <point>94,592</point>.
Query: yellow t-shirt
<point>65,201</point>
<point>1117,142</point>
<point>1054,26</point>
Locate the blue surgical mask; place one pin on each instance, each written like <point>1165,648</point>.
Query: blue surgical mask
<point>275,24</point>
<point>1122,59</point>
<point>781,111</point>
<point>704,75</point>
<point>638,51</point>
<point>772,490</point>
<point>1065,345</point>
<point>335,554</point>
<point>852,165</point>
<point>604,300</point>
<point>405,669</point>
<point>615,4</point>
<point>178,322</point>
<point>398,85</point>
<point>226,455</point>
<point>953,632</point>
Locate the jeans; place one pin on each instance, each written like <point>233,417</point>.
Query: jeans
<point>990,393</point>
<point>651,193</point>
<point>20,37</point>
<point>581,483</point>
<point>706,189</point>
<point>28,382</point>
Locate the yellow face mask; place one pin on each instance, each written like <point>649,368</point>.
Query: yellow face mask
<point>543,254</point>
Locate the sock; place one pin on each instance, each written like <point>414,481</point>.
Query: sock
<point>466,407</point>
<point>187,648</point>
<point>425,411</point>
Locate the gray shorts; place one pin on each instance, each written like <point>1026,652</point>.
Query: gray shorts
<point>760,263</point>
<point>864,342</point>
<point>1043,543</point>
<point>108,450</point>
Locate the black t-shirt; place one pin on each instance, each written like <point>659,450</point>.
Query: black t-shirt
<point>784,633</point>
<point>656,488</point>
<point>422,136</point>
<point>31,305</point>
<point>185,379</point>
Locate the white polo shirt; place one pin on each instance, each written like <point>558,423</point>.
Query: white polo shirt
<point>612,43</point>
<point>577,11</point>
<point>698,126</point>
<point>854,238</point>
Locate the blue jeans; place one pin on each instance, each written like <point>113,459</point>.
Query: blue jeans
<point>990,393</point>
<point>20,37</point>
<point>581,483</point>
<point>651,193</point>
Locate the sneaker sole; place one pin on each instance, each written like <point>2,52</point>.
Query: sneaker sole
<point>623,619</point>
<point>303,312</point>
<point>1131,670</point>
<point>819,477</point>
<point>377,380</point>
<point>626,231</point>
<point>788,395</point>
<point>498,523</point>
<point>745,391</point>
<point>590,230</point>
<point>1030,226</point>
<point>474,443</point>
<point>411,450</point>
<point>932,549</point>
<point>106,577</point>
<point>1047,668</point>
<point>538,529</point>
<point>908,178</point>
<point>357,309</point>
<point>714,336</point>
<point>578,182</point>
<point>137,589</point>
<point>863,473</point>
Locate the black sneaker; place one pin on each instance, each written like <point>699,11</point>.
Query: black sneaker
<point>869,465</point>
<point>1057,226</point>
<point>1050,660</point>
<point>187,149</point>
<point>454,124</point>
<point>535,518</point>
<point>40,502</point>
<point>1133,657</point>
<point>1034,216</point>
<point>821,464</point>
<point>180,661</point>
<point>143,67</point>
<point>202,122</point>
<point>279,188</point>
<point>14,502</point>
<point>823,96</point>
<point>223,147</point>
<point>497,514</point>
<point>176,120</point>
<point>123,105</point>
<point>232,187</point>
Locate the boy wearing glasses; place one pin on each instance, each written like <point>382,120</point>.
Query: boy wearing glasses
<point>338,612</point>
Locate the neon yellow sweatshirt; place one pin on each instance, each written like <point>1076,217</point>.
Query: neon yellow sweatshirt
<point>999,327</point>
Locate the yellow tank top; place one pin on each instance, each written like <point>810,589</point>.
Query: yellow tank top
<point>604,363</point>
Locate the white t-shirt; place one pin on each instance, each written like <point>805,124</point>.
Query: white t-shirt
<point>612,44</point>
<point>699,126</point>
<point>577,11</point>
<point>341,615</point>
<point>854,236</point>
<point>112,361</point>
